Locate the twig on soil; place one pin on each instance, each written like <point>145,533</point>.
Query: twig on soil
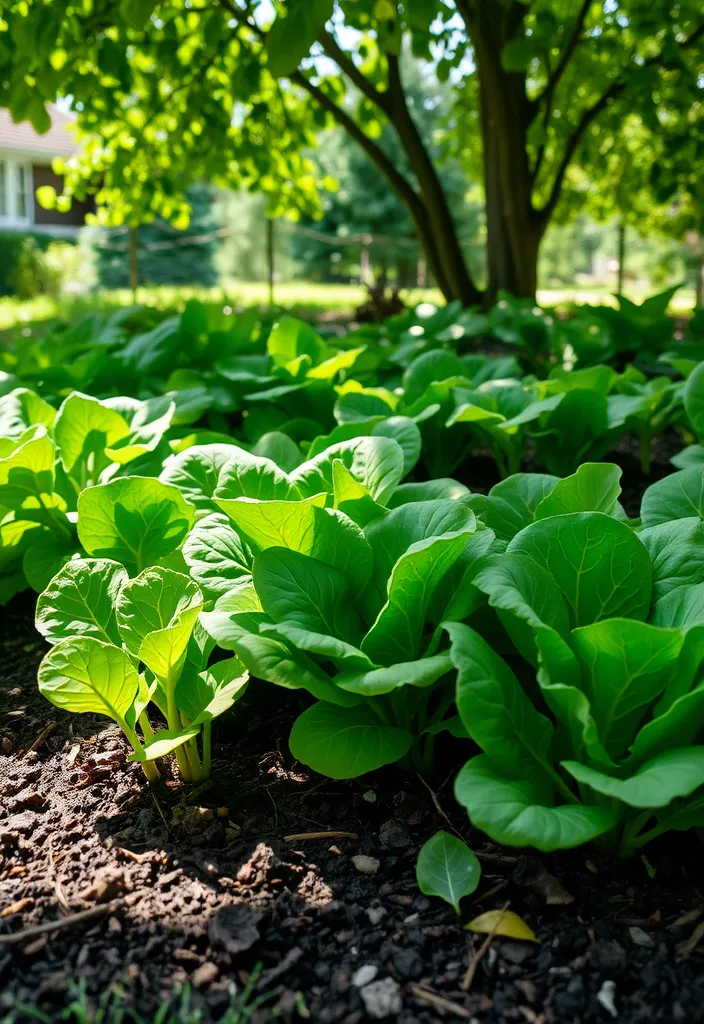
<point>161,813</point>
<point>41,738</point>
<point>436,804</point>
<point>320,835</point>
<point>477,957</point>
<point>64,922</point>
<point>689,945</point>
<point>442,1004</point>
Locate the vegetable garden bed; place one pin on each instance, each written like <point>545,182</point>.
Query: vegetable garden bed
<point>458,605</point>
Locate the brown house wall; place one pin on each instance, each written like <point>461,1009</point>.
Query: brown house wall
<point>75,216</point>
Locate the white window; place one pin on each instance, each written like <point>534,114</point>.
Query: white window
<point>15,191</point>
<point>21,191</point>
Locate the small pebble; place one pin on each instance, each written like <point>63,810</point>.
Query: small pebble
<point>606,996</point>
<point>641,938</point>
<point>382,999</point>
<point>364,975</point>
<point>375,914</point>
<point>369,796</point>
<point>204,975</point>
<point>366,865</point>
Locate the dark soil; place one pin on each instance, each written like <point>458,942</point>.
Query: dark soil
<point>213,886</point>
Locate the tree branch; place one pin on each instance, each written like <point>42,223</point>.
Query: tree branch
<point>405,190</point>
<point>345,63</point>
<point>591,113</point>
<point>548,92</point>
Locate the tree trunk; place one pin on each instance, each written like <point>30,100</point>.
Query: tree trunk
<point>621,255</point>
<point>514,227</point>
<point>270,266</point>
<point>134,263</point>
<point>699,288</point>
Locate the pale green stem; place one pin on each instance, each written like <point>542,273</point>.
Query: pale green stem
<point>207,749</point>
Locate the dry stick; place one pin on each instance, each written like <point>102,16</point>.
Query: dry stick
<point>446,1005</point>
<point>43,735</point>
<point>479,955</point>
<point>438,808</point>
<point>320,835</point>
<point>65,922</point>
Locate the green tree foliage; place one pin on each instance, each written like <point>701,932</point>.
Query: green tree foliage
<point>168,92</point>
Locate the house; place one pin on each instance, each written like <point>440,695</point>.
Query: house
<point>25,165</point>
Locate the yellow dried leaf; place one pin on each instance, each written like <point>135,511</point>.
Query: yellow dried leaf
<point>502,922</point>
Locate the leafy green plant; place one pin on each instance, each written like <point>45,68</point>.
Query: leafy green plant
<point>599,738</point>
<point>50,461</point>
<point>121,644</point>
<point>351,615</point>
<point>693,398</point>
<point>447,868</point>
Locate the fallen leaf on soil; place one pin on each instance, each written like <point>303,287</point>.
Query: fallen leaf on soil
<point>502,922</point>
<point>16,908</point>
<point>531,874</point>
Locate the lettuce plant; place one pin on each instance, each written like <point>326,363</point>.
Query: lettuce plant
<point>360,477</point>
<point>693,398</point>
<point>351,615</point>
<point>51,460</point>
<point>598,739</point>
<point>121,644</point>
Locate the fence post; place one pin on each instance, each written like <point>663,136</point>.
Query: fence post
<point>134,263</point>
<point>270,258</point>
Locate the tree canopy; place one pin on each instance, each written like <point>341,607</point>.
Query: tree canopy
<point>168,91</point>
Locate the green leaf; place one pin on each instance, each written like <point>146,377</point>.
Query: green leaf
<point>291,338</point>
<point>447,868</point>
<point>679,496</point>
<point>85,675</point>
<point>134,520</point>
<point>279,448</point>
<point>80,601</point>
<point>694,400</point>
<point>431,490</point>
<point>84,428</point>
<point>45,556</point>
<point>21,409</point>
<point>495,710</point>
<point>515,812</point>
<point>216,556</point>
<point>512,504</point>
<point>390,537</point>
<point>305,526</point>
<point>344,743</point>
<point>306,592</point>
<point>525,596</point>
<point>156,615</point>
<point>672,774</point>
<point>626,666</point>
<point>208,694</point>
<point>398,631</point>
<point>679,724</point>
<point>250,476</point>
<point>376,462</point>
<point>27,475</point>
<point>374,682</point>
<point>163,743</point>
<point>272,659</point>
<point>518,53</point>
<point>676,550</point>
<point>196,472</point>
<point>345,656</point>
<point>595,487</point>
<point>599,564</point>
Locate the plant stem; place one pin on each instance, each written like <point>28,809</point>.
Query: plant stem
<point>146,726</point>
<point>175,726</point>
<point>194,764</point>
<point>148,767</point>
<point>207,749</point>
